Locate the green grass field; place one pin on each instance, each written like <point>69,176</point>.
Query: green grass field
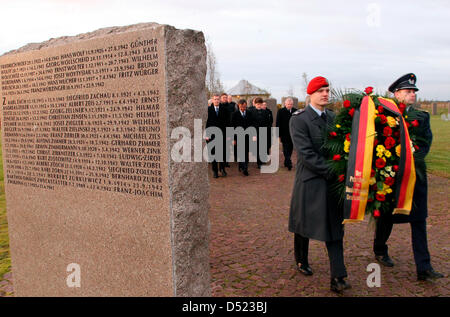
<point>438,162</point>
<point>5,259</point>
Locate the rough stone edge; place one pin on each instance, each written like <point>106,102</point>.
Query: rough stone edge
<point>83,36</point>
<point>188,181</point>
<point>190,227</point>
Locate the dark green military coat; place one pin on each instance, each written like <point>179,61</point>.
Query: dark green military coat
<point>313,213</point>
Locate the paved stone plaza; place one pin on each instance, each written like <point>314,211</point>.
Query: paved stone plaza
<point>251,250</point>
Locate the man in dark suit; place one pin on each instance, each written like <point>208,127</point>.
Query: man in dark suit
<point>269,123</point>
<point>230,109</point>
<point>218,117</point>
<point>233,106</point>
<point>242,118</point>
<point>283,116</point>
<point>313,213</point>
<point>404,90</point>
<point>262,120</point>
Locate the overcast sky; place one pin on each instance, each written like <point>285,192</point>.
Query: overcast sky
<point>271,43</point>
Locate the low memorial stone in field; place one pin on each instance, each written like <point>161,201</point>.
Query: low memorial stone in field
<point>95,205</point>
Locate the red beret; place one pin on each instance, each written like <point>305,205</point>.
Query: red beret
<point>316,83</point>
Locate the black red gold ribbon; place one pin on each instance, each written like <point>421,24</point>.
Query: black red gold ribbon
<point>406,175</point>
<point>360,162</point>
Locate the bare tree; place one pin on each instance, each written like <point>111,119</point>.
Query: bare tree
<point>290,91</point>
<point>213,83</point>
<point>305,82</point>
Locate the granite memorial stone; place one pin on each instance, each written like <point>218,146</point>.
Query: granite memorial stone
<point>95,205</point>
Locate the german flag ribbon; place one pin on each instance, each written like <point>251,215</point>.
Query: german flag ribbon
<point>406,175</point>
<point>360,162</point>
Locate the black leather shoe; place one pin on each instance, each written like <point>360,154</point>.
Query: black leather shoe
<point>385,260</point>
<point>224,173</point>
<point>245,172</point>
<point>305,269</point>
<point>215,175</point>
<point>338,284</point>
<point>428,275</point>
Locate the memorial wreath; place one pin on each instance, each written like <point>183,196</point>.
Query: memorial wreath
<point>370,147</point>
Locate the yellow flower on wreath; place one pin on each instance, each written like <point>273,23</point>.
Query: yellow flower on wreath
<point>380,148</point>
<point>387,189</point>
<point>387,153</point>
<point>338,126</point>
<point>391,121</point>
<point>346,146</point>
<point>398,149</point>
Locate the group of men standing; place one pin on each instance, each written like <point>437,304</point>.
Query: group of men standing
<point>314,214</point>
<point>223,113</point>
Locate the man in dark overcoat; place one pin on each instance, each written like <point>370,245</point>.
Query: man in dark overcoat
<point>269,123</point>
<point>218,117</point>
<point>404,90</point>
<point>262,121</point>
<point>283,117</point>
<point>313,213</point>
<point>243,119</point>
<point>230,108</point>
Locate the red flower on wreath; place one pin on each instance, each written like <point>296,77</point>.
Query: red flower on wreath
<point>397,134</point>
<point>336,157</point>
<point>401,107</point>
<point>395,168</point>
<point>380,197</point>
<point>389,181</point>
<point>389,142</point>
<point>380,109</point>
<point>368,90</point>
<point>383,119</point>
<point>387,131</point>
<point>380,163</point>
<point>376,213</point>
<point>415,123</point>
<point>351,112</point>
<point>333,134</point>
<point>346,103</point>
<point>375,142</point>
<point>347,137</point>
<point>372,173</point>
<point>416,147</point>
<point>341,178</point>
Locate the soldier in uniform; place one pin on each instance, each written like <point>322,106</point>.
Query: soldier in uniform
<point>404,90</point>
<point>313,213</point>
